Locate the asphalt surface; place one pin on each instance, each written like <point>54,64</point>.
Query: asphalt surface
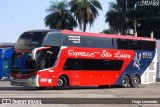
<point>81,96</point>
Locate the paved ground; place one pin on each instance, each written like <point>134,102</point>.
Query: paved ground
<point>144,91</point>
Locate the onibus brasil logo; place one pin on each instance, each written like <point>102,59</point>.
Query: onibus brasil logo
<point>148,3</point>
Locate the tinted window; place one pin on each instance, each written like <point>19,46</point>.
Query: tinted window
<point>149,45</point>
<point>89,41</point>
<point>72,64</point>
<point>135,45</point>
<point>30,40</point>
<point>106,65</point>
<point>118,64</point>
<point>47,57</point>
<point>105,42</point>
<point>53,39</point>
<point>121,44</point>
<point>92,64</point>
<point>110,64</point>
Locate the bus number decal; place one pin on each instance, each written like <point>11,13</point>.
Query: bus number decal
<point>43,80</point>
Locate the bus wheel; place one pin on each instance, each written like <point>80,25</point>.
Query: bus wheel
<point>62,82</point>
<point>125,81</point>
<point>135,81</point>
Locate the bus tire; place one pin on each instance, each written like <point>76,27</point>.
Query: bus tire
<point>135,81</point>
<point>125,82</point>
<point>62,82</point>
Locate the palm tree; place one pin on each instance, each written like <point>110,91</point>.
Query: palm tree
<point>108,31</point>
<point>85,11</point>
<point>59,16</point>
<point>116,17</point>
<point>121,15</point>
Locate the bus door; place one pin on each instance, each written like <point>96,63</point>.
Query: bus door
<point>46,58</point>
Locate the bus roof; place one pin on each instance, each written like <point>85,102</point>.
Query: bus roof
<point>107,35</point>
<point>41,30</point>
<point>93,34</point>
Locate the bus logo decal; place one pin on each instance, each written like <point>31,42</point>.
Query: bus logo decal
<point>121,55</point>
<point>137,59</point>
<point>84,54</point>
<point>106,54</point>
<point>103,54</point>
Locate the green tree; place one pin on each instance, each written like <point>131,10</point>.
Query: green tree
<point>108,31</point>
<point>148,19</point>
<point>59,16</point>
<point>121,15</point>
<point>85,11</point>
<point>116,18</point>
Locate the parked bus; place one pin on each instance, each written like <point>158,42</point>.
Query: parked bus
<point>60,58</point>
<point>5,61</point>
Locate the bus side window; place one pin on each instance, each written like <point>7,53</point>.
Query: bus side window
<point>89,41</point>
<point>53,39</point>
<point>72,64</point>
<point>78,64</point>
<point>105,43</point>
<point>106,62</point>
<point>121,44</point>
<point>48,57</point>
<point>106,65</point>
<point>42,64</point>
<point>135,45</point>
<point>149,45</point>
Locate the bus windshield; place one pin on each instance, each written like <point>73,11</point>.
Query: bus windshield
<point>23,63</point>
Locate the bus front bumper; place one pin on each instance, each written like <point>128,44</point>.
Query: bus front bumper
<point>32,82</point>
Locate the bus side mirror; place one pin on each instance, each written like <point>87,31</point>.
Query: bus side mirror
<point>34,54</point>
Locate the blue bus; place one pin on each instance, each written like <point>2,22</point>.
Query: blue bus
<point>5,61</point>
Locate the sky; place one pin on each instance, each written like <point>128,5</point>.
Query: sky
<point>18,16</point>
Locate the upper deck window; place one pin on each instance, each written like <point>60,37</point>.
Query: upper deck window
<point>53,39</point>
<point>29,40</point>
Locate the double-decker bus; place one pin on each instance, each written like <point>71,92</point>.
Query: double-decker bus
<point>60,58</point>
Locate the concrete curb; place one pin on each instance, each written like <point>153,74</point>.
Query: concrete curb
<point>5,79</point>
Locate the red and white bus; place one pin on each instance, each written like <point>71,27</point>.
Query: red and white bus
<point>60,58</point>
